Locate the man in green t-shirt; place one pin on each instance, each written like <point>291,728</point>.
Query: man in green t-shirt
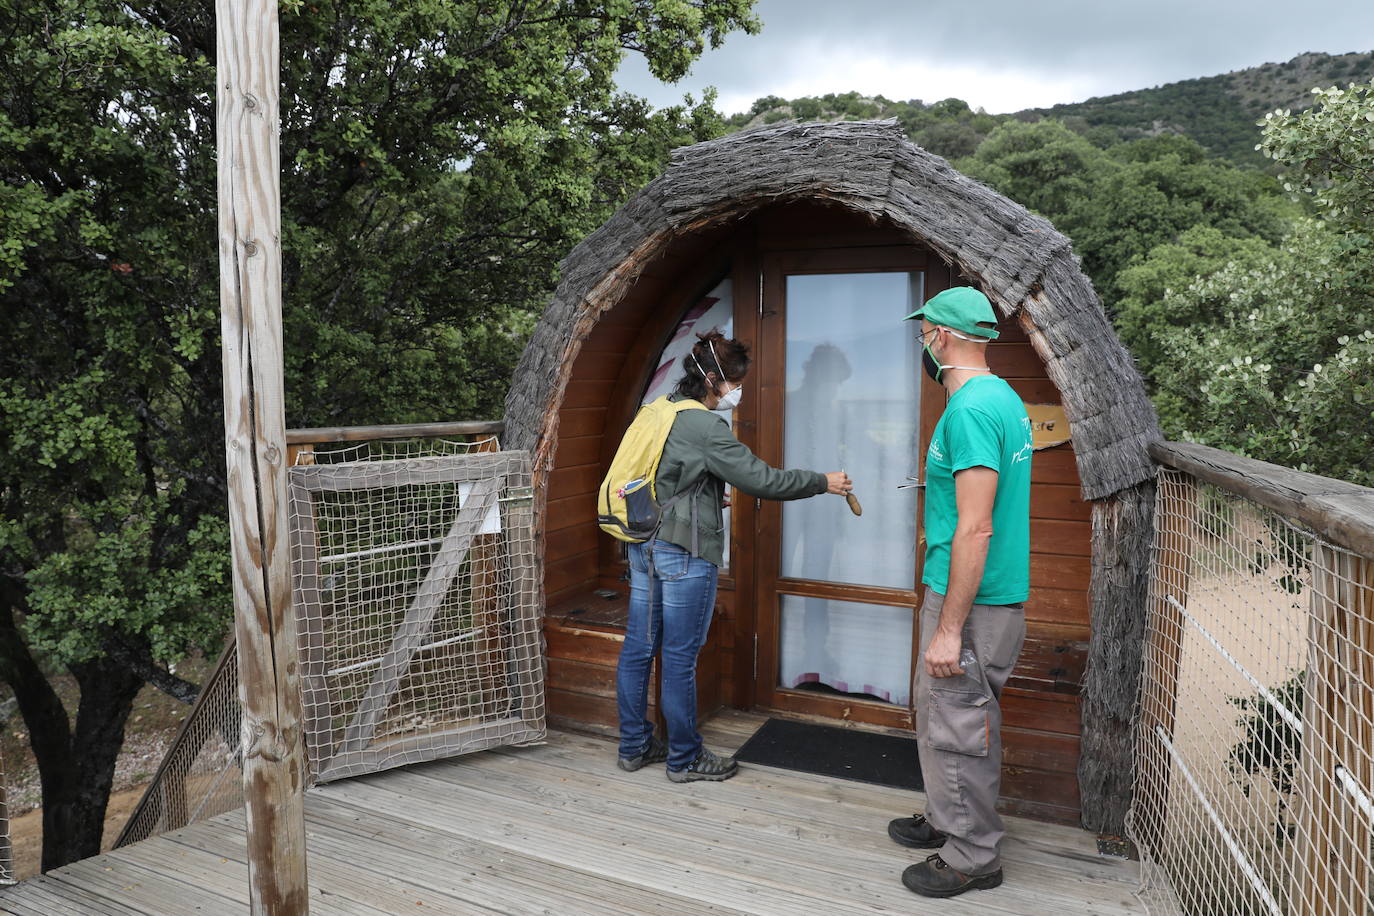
<point>977,574</point>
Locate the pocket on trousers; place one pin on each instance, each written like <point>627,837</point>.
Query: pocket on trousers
<point>1004,641</point>
<point>669,561</point>
<point>634,553</point>
<point>958,722</point>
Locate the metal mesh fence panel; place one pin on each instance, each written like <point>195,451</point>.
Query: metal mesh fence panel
<point>1256,741</point>
<point>6,848</point>
<point>201,774</point>
<point>416,600</point>
<point>416,588</point>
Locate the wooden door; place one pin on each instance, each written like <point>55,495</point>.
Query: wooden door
<point>839,385</point>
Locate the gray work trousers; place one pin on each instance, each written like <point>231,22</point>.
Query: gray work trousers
<point>959,733</point>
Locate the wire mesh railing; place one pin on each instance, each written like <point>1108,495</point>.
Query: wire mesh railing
<point>415,587</point>
<point>201,774</point>
<point>7,873</point>
<point>1256,735</point>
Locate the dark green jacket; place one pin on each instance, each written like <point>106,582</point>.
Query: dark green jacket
<point>701,444</point>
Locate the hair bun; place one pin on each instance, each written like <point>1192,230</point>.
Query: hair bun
<point>712,353</point>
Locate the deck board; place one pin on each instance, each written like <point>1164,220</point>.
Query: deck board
<point>557,829</point>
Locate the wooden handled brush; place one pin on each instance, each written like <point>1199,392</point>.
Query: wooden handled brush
<point>853,500</point>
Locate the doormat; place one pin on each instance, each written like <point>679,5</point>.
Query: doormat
<point>847,753</point>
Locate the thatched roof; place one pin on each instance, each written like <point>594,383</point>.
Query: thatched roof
<point>1017,258</point>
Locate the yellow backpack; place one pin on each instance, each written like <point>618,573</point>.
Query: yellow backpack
<point>627,504</point>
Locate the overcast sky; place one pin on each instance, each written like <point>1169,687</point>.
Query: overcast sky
<point>1004,55</point>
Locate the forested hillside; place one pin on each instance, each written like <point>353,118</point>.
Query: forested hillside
<point>1219,112</point>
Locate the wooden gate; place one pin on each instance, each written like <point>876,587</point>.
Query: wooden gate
<point>416,587</point>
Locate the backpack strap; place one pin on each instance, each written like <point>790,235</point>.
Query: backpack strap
<point>694,491</point>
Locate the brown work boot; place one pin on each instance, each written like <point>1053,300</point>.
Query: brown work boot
<point>934,878</point>
<point>915,832</point>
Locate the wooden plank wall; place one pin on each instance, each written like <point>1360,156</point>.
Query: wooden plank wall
<point>572,543</point>
<point>603,392</point>
<point>1040,706</point>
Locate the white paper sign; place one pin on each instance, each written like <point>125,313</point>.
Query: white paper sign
<point>491,523</point>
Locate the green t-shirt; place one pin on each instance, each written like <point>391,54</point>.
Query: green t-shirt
<point>984,425</point>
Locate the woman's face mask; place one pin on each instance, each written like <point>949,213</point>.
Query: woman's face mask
<point>730,400</point>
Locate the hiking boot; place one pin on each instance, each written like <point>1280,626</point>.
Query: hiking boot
<point>707,766</point>
<point>655,751</point>
<point>915,832</point>
<point>934,878</point>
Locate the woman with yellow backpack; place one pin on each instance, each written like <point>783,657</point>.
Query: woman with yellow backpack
<point>663,496</point>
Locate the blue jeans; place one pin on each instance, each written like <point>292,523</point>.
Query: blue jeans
<point>670,609</point>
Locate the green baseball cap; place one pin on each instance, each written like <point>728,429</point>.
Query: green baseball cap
<point>962,308</point>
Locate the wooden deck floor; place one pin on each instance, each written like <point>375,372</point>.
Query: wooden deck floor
<point>558,829</point>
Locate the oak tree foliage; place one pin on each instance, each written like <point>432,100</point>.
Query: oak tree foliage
<point>438,158</point>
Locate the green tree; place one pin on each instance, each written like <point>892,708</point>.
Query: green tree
<point>437,160</point>
<point>1118,204</point>
<point>1284,359</point>
<point>1328,155</point>
<point>1150,304</point>
<point>1157,189</point>
<point>1275,358</point>
<point>1041,165</point>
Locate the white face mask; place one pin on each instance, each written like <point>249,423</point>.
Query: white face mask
<point>731,401</point>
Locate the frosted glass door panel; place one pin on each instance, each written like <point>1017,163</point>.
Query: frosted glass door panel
<point>852,403</point>
<point>851,647</point>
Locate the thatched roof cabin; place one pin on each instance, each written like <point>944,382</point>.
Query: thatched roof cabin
<point>754,210</point>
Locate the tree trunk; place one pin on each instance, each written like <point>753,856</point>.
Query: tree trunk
<point>134,654</point>
<point>75,768</point>
<point>74,811</point>
<point>39,704</point>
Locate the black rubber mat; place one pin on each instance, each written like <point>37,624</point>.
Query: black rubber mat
<point>847,753</point>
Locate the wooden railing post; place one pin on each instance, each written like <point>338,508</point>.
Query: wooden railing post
<point>1173,561</point>
<point>1334,836</point>
<point>247,82</point>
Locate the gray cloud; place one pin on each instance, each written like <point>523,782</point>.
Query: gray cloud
<point>1006,53</point>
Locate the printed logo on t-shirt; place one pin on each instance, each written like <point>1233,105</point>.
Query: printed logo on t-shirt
<point>1024,452</point>
<point>935,451</point>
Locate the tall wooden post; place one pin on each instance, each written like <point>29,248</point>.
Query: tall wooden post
<point>1334,835</point>
<point>255,445</point>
